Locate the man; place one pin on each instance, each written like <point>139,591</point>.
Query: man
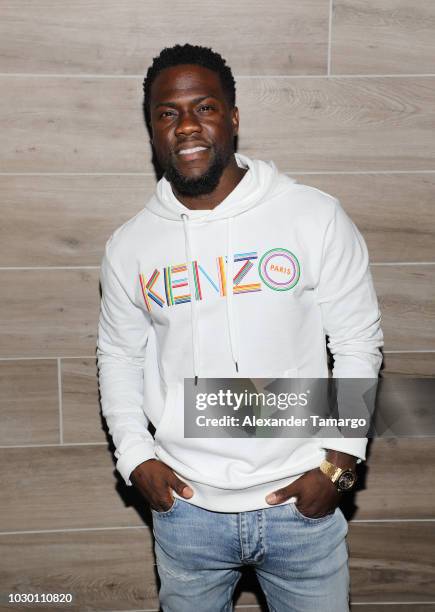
<point>232,269</point>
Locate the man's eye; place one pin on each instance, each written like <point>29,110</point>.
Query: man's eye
<point>205,107</point>
<point>166,114</point>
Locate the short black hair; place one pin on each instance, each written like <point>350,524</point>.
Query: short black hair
<point>189,54</point>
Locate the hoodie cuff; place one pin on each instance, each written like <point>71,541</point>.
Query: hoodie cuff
<point>351,446</point>
<point>134,457</point>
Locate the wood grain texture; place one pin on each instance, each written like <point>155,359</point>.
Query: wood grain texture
<point>304,124</point>
<point>383,37</point>
<point>409,364</point>
<point>82,420</point>
<point>65,220</point>
<point>392,562</point>
<point>115,569</point>
<point>61,487</point>
<point>103,570</point>
<point>278,38</point>
<point>393,482</point>
<point>339,124</point>
<point>29,402</point>
<point>397,607</point>
<point>48,312</point>
<point>73,125</point>
<point>405,408</point>
<point>407,302</point>
<point>394,212</point>
<point>74,486</point>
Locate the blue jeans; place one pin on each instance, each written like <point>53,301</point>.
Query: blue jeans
<point>301,563</point>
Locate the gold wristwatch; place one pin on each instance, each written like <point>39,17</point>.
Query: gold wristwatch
<point>343,478</point>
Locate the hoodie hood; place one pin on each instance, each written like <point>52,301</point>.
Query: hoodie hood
<point>251,191</point>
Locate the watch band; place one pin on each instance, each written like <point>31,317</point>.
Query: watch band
<point>332,471</point>
<point>343,478</point>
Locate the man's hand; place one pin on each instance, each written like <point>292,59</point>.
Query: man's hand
<point>316,494</point>
<point>155,479</point>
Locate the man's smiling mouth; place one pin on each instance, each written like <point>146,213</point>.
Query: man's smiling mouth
<point>192,150</point>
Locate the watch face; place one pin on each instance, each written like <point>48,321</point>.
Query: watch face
<point>346,481</point>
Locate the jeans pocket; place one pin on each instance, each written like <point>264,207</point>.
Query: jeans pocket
<point>165,512</point>
<point>308,519</point>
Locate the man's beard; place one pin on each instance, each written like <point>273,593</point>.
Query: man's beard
<point>206,183</point>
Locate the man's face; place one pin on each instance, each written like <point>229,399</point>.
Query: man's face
<point>193,127</point>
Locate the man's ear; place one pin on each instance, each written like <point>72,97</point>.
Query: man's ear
<point>235,120</point>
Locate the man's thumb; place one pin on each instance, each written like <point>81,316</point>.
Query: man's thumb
<point>281,495</point>
<point>181,487</point>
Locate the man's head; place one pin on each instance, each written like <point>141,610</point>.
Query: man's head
<point>191,113</point>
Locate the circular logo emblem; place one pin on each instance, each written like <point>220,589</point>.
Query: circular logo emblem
<point>279,269</point>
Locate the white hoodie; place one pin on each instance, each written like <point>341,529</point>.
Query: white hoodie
<point>273,268</point>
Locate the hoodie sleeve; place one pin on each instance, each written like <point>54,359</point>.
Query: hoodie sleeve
<point>122,339</point>
<point>350,313</point>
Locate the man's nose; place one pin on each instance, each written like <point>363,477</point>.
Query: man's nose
<point>187,124</point>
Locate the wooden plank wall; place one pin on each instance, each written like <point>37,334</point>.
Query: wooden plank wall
<point>340,94</point>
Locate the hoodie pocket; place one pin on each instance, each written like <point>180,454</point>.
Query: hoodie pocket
<point>169,411</point>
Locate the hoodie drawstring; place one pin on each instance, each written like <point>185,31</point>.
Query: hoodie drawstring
<point>229,296</point>
<point>193,304</point>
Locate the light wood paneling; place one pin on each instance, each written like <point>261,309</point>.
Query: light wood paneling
<point>48,312</point>
<point>383,37</point>
<point>407,302</point>
<point>417,365</point>
<point>398,471</point>
<point>363,608</point>
<point>64,220</point>
<point>398,607</point>
<point>29,403</point>
<point>392,561</point>
<point>103,570</point>
<point>72,125</point>
<point>250,597</point>
<point>394,212</point>
<point>74,486</point>
<point>339,124</point>
<point>304,124</point>
<point>80,406</point>
<point>405,408</point>
<point>63,487</point>
<point>278,38</point>
<point>115,569</point>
